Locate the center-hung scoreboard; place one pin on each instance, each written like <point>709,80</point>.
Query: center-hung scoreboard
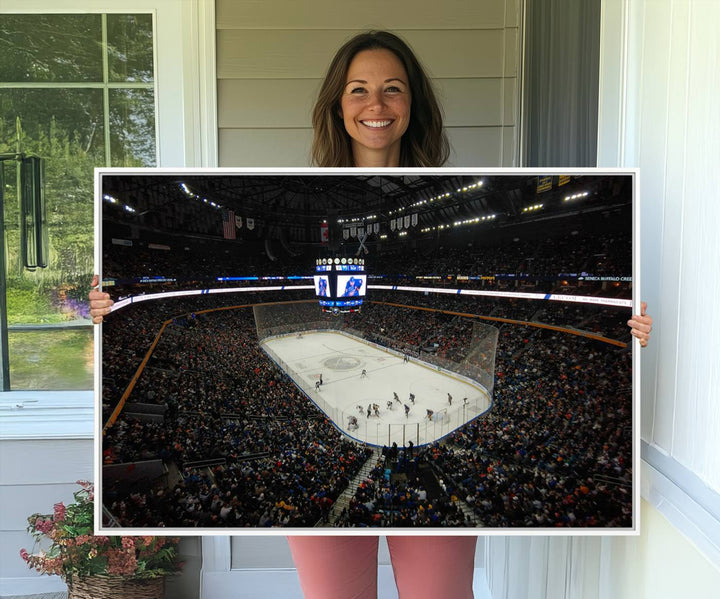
<point>340,284</point>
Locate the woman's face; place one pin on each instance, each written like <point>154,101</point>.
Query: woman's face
<point>375,107</point>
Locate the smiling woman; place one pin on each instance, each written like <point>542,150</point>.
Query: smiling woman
<point>377,107</point>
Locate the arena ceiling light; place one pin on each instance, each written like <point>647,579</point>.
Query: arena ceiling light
<point>533,208</point>
<point>195,196</point>
<point>111,200</point>
<point>469,187</point>
<point>575,196</point>
<point>473,221</point>
<point>461,223</point>
<point>443,196</point>
<point>356,219</point>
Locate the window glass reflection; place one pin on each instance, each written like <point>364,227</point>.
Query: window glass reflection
<point>38,48</point>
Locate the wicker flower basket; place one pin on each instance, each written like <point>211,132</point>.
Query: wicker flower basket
<point>116,587</point>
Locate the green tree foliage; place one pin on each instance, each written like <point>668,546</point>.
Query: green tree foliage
<point>66,127</point>
<point>41,48</point>
<point>69,197</point>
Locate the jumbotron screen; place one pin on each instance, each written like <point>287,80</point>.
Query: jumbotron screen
<point>340,283</point>
<point>322,285</point>
<point>351,285</point>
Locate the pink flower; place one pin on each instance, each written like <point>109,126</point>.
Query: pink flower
<point>73,554</point>
<point>44,526</point>
<point>128,543</point>
<point>59,509</point>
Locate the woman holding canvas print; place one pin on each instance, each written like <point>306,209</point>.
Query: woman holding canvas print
<point>377,108</point>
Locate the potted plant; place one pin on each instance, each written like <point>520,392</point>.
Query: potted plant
<point>98,567</point>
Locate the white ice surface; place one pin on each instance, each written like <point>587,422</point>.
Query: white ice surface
<point>340,359</point>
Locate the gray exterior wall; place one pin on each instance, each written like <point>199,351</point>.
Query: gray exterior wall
<point>271,58</point>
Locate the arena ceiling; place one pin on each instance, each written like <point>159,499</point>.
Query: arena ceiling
<point>296,203</point>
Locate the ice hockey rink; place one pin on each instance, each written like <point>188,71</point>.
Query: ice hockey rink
<point>346,394</point>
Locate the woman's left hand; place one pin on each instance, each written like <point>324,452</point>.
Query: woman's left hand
<point>100,302</point>
<point>641,325</point>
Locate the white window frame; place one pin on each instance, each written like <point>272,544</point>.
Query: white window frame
<point>186,130</point>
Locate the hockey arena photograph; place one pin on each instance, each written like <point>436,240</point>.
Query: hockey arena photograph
<point>418,349</point>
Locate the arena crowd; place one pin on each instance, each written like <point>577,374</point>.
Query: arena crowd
<point>247,448</point>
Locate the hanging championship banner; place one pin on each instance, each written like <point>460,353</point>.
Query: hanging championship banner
<point>368,230</point>
<point>238,221</point>
<point>407,221</point>
<point>400,223</point>
<point>414,220</point>
<point>376,228</point>
<point>250,222</point>
<point>563,179</point>
<point>392,224</point>
<point>346,234</point>
<point>324,233</point>
<point>544,184</point>
<point>353,232</point>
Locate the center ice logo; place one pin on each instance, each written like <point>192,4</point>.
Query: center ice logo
<point>342,363</point>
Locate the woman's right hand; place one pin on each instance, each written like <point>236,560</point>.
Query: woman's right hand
<point>641,325</point>
<point>100,302</point>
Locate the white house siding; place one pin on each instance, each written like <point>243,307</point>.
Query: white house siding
<point>271,58</point>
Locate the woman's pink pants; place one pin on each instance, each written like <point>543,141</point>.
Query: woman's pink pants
<point>346,567</point>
